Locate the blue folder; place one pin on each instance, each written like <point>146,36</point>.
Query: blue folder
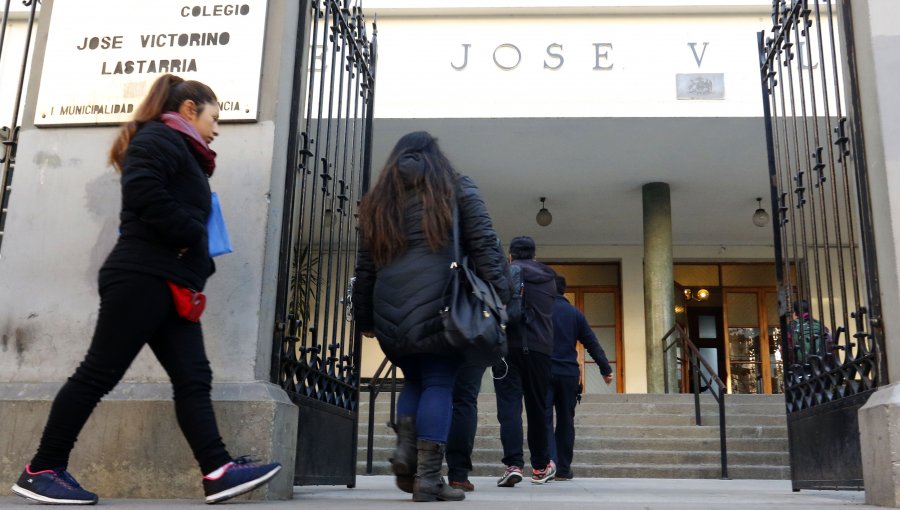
<point>219,242</point>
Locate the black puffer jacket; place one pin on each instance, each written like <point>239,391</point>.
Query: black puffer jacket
<point>165,205</point>
<point>401,302</point>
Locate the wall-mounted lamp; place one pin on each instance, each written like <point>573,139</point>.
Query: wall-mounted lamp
<point>700,295</point>
<point>543,217</point>
<point>760,216</point>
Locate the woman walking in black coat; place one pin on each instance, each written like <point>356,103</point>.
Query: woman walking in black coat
<point>162,252</point>
<point>402,271</point>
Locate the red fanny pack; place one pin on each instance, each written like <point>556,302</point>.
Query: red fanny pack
<point>189,304</point>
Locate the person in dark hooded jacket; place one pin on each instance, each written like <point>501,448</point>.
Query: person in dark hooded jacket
<point>402,271</point>
<point>527,373</point>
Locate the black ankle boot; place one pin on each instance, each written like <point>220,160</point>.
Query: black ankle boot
<point>403,462</point>
<point>430,485</point>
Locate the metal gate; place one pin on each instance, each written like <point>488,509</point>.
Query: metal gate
<point>824,246</point>
<point>16,29</point>
<point>316,355</point>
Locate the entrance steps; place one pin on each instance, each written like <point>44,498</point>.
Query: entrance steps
<point>633,436</point>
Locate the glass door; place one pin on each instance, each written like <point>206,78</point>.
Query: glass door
<point>745,362</point>
<point>705,330</point>
<point>600,307</point>
<point>776,364</point>
<point>753,341</point>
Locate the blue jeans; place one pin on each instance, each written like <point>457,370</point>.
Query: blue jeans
<point>465,420</point>
<point>427,393</point>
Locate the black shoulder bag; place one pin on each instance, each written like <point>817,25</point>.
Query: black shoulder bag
<point>474,318</point>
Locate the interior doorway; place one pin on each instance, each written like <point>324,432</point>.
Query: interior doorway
<point>601,308</point>
<point>706,330</point>
<point>731,313</point>
<point>753,341</point>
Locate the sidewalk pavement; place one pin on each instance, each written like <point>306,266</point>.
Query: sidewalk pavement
<point>378,492</point>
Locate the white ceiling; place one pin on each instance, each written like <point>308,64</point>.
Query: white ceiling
<point>592,171</point>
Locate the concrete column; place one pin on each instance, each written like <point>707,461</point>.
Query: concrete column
<point>879,441</point>
<point>876,38</point>
<point>658,279</point>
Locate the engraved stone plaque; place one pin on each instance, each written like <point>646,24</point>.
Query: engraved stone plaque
<point>700,85</point>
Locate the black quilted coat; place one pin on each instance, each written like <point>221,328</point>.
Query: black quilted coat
<point>401,301</point>
<point>165,204</point>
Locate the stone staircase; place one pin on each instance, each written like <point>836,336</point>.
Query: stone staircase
<point>634,436</point>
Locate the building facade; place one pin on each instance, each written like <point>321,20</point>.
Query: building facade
<point>583,103</point>
<point>639,126</point>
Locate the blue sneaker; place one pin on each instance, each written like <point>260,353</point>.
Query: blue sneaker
<point>237,477</point>
<point>54,486</point>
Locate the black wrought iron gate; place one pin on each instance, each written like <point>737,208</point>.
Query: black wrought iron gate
<point>316,354</point>
<point>824,245</point>
<point>14,34</point>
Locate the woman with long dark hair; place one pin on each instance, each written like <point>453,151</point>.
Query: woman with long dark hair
<point>402,270</point>
<point>162,252</point>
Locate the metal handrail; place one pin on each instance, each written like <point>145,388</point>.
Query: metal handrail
<point>696,362</point>
<point>375,386</point>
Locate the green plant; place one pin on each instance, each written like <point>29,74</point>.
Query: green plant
<point>304,279</point>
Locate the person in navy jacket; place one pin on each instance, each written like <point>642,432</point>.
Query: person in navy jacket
<point>569,327</point>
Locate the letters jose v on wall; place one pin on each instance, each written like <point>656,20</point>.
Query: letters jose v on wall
<point>102,56</point>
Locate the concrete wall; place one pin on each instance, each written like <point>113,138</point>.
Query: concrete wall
<point>131,447</point>
<point>61,225</point>
<point>877,41</point>
<point>643,46</point>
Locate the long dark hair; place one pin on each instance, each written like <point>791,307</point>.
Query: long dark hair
<point>166,95</point>
<point>382,210</point>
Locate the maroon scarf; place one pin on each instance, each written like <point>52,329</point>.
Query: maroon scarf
<point>205,156</point>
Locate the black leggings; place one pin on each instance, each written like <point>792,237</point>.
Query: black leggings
<point>136,309</point>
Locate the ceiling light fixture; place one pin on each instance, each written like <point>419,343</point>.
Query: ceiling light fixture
<point>760,216</point>
<point>700,295</point>
<point>543,217</point>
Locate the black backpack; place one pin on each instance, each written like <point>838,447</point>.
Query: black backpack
<point>515,309</point>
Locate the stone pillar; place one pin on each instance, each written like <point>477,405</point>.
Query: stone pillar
<point>876,40</point>
<point>62,224</point>
<point>879,441</point>
<point>659,304</point>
